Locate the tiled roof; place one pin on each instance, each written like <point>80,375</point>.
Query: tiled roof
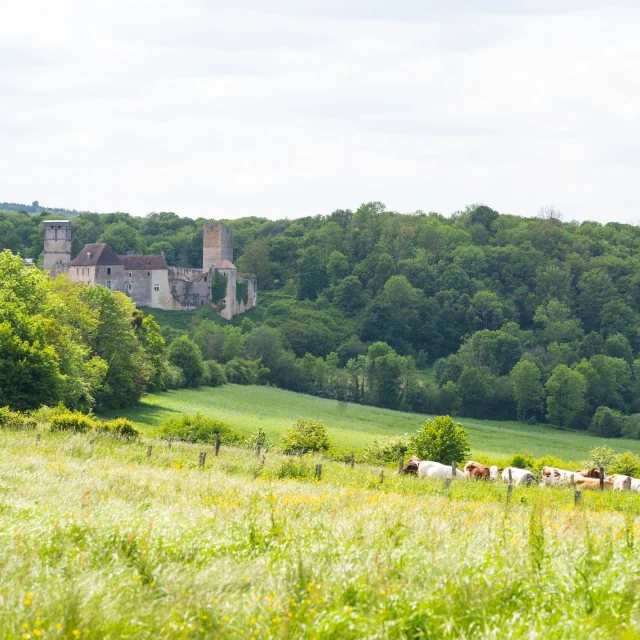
<point>140,263</point>
<point>225,264</point>
<point>93,254</point>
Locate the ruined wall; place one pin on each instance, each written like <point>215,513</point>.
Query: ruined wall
<point>240,306</point>
<point>57,246</point>
<point>190,287</point>
<point>217,245</point>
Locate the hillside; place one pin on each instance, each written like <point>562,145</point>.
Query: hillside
<point>351,425</point>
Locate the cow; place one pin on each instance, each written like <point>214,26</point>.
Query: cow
<point>589,483</point>
<point>412,465</point>
<point>518,476</point>
<point>553,477</point>
<point>495,472</point>
<point>476,470</point>
<point>620,483</point>
<point>437,471</point>
<point>590,473</point>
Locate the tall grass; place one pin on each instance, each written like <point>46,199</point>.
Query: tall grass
<point>102,541</point>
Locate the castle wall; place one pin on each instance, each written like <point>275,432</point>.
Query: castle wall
<point>57,246</point>
<point>137,284</point>
<point>239,305</point>
<point>217,245</point>
<point>190,287</point>
<point>230,299</point>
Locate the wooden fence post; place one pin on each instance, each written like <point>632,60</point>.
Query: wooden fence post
<point>628,483</point>
<point>170,441</point>
<point>91,443</point>
<point>262,461</point>
<point>400,464</point>
<point>509,492</point>
<point>447,483</point>
<point>258,447</point>
<point>601,479</point>
<point>454,468</point>
<point>510,478</point>
<point>573,481</point>
<point>37,439</point>
<point>382,476</point>
<point>353,460</point>
<point>578,497</point>
<point>149,449</point>
<point>319,471</point>
<point>217,445</point>
<point>203,457</point>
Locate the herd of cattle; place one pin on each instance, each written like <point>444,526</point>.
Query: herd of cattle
<point>582,479</point>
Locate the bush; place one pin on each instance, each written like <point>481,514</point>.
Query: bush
<point>199,428</point>
<point>45,414</point>
<point>16,420</point>
<point>305,436</point>
<point>186,354</point>
<point>626,464</point>
<point>523,461</point>
<point>217,376</point>
<point>292,468</point>
<point>385,449</point>
<point>121,428</point>
<point>240,371</point>
<point>72,421</point>
<point>259,437</point>
<point>172,376</point>
<point>600,457</point>
<point>607,423</point>
<point>441,440</point>
<point>631,427</point>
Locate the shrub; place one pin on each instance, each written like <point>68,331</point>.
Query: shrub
<point>607,423</point>
<point>626,464</point>
<point>45,414</point>
<point>600,457</point>
<point>186,354</point>
<point>172,376</point>
<point>217,376</point>
<point>292,468</point>
<point>259,437</point>
<point>441,440</point>
<point>72,421</point>
<point>199,428</point>
<point>385,449</point>
<point>306,435</point>
<point>523,461</point>
<point>241,371</point>
<point>16,420</point>
<point>631,427</point>
<point>121,428</point>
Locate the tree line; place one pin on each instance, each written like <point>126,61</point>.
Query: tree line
<point>480,313</point>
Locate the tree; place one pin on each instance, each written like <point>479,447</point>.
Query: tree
<point>254,261</point>
<point>312,274</point>
<point>441,440</point>
<point>233,344</point>
<point>337,266</point>
<point>348,296</point>
<point>385,374</point>
<point>527,388</point>
<point>305,436</point>
<point>487,311</point>
<point>476,392</point>
<point>559,325</point>
<point>565,395</point>
<point>607,423</point>
<point>184,353</point>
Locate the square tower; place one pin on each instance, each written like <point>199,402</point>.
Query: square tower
<point>217,245</point>
<point>57,246</point>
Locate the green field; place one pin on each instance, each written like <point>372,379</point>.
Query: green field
<point>350,425</point>
<point>100,540</point>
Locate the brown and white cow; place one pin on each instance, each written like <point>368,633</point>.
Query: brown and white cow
<point>476,470</point>
<point>412,465</point>
<point>590,473</point>
<point>590,483</point>
<point>555,477</point>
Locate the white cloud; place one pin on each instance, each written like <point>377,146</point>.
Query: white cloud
<point>293,108</point>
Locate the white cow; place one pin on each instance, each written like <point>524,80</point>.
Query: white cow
<point>553,477</point>
<point>437,471</point>
<point>620,483</point>
<point>518,476</point>
<point>494,472</point>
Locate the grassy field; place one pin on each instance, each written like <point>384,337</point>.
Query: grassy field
<point>102,541</point>
<point>350,425</point>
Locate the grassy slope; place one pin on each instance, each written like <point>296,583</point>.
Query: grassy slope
<point>350,425</point>
<point>101,541</point>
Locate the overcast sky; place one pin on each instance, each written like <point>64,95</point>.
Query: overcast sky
<point>228,108</point>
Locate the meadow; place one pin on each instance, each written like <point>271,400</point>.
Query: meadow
<point>351,425</point>
<point>102,541</point>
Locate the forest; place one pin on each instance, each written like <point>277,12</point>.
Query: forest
<point>479,314</point>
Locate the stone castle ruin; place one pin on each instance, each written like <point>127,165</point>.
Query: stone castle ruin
<point>148,280</point>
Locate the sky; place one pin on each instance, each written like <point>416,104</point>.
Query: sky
<point>287,108</point>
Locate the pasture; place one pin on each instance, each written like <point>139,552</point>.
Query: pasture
<point>351,425</point>
<point>103,541</point>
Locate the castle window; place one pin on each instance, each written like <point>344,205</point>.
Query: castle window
<point>129,273</point>
<point>108,284</point>
<point>205,278</point>
<point>108,271</point>
<point>156,287</point>
<point>130,287</point>
<point>148,275</point>
<point>78,271</point>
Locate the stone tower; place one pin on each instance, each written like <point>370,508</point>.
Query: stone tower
<point>57,246</point>
<point>217,245</point>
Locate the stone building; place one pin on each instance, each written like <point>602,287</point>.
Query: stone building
<point>148,280</point>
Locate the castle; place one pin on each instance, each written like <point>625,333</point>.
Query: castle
<point>148,280</point>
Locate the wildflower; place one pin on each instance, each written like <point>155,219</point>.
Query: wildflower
<point>76,633</point>
<point>58,625</point>
<point>37,632</point>
<point>226,618</point>
<point>25,625</point>
<point>27,601</point>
